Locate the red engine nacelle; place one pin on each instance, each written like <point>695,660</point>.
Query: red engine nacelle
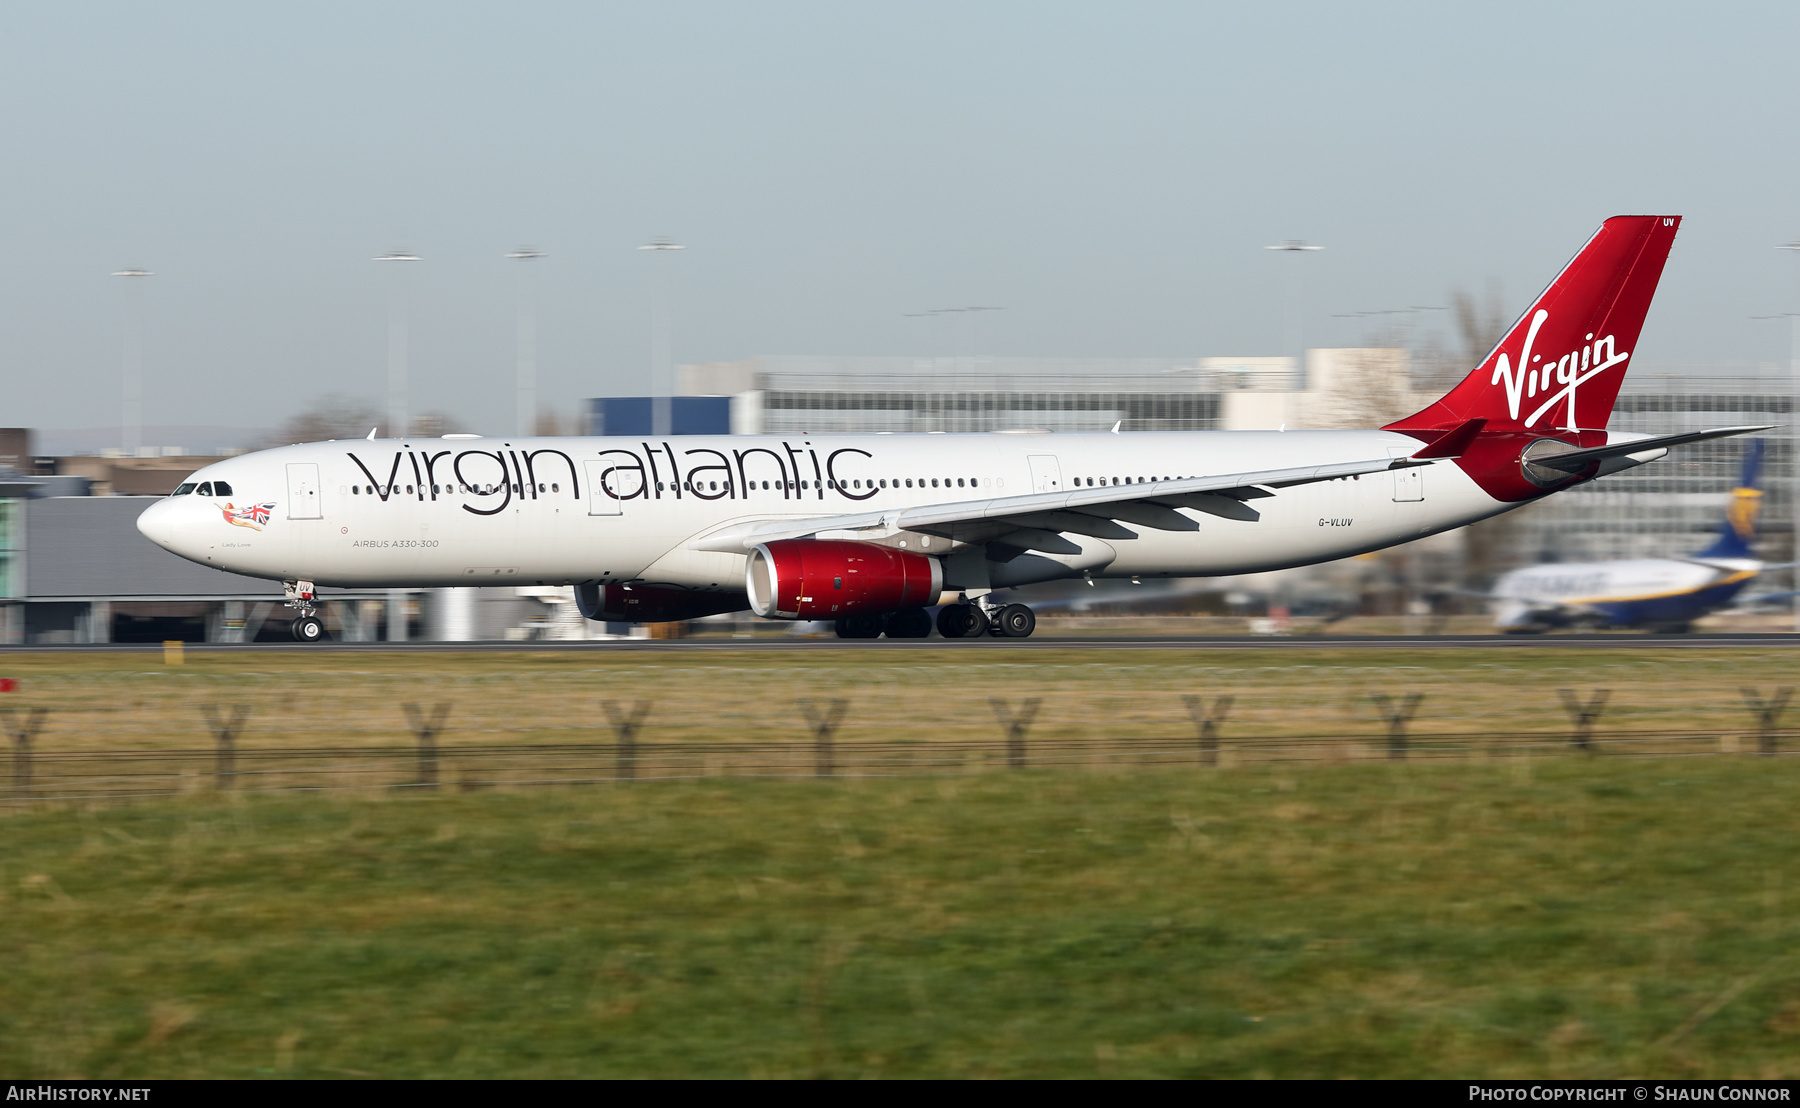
<point>648,604</point>
<point>828,578</point>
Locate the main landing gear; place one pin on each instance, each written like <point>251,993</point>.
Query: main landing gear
<point>970,621</point>
<point>907,623</point>
<point>954,621</point>
<point>307,627</point>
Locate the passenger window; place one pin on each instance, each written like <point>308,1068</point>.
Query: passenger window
<point>409,490</point>
<point>909,482</point>
<point>206,488</point>
<point>934,482</point>
<point>554,487</point>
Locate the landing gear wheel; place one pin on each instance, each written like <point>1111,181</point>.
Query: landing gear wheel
<point>978,621</point>
<point>308,629</point>
<point>961,621</point>
<point>1015,621</point>
<point>909,623</point>
<point>862,625</point>
<point>953,621</point>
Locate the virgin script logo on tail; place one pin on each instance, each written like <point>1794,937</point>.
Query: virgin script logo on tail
<point>1535,374</point>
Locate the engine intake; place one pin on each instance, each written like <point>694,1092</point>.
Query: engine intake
<point>828,578</point>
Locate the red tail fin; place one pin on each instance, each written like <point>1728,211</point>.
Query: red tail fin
<point>1561,364</point>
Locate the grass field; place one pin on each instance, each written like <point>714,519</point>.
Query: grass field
<point>718,698</point>
<point>1518,911</point>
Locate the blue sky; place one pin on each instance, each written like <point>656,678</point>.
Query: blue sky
<point>1106,173</point>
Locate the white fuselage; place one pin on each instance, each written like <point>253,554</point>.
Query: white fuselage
<point>448,512</point>
<point>1632,590</point>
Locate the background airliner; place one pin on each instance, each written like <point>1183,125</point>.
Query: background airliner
<point>871,530</point>
<point>1664,594</point>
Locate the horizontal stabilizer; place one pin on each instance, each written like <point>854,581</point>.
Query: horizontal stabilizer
<point>1574,461</point>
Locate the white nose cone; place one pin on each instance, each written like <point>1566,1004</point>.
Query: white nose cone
<point>156,524</point>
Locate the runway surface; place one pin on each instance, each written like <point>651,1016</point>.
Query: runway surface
<point>1117,642</point>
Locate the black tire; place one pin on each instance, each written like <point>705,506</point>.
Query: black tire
<point>978,622</point>
<point>1015,621</point>
<point>953,621</point>
<point>309,629</point>
<point>862,625</point>
<point>909,623</point>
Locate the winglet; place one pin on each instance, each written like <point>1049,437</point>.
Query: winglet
<point>1454,442</point>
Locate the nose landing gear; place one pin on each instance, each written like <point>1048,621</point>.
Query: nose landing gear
<point>307,627</point>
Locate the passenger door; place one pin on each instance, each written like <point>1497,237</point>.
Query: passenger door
<point>303,491</point>
<point>606,494</point>
<point>1409,483</point>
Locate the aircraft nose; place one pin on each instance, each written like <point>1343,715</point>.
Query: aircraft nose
<point>157,524</point>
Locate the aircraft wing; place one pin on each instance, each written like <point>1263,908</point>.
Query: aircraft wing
<point>1031,520</point>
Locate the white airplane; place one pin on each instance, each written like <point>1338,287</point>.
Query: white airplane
<point>870,530</point>
<point>1663,594</point>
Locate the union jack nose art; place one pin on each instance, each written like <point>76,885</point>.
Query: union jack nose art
<point>253,516</point>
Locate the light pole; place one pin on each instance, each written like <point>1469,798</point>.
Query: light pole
<point>662,340</point>
<point>965,336</point>
<point>396,598</point>
<point>527,418</point>
<point>131,423</point>
<point>1794,427</point>
<point>1291,339</point>
<point>396,343</point>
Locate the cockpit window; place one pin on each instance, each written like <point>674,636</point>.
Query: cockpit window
<point>206,488</point>
<point>220,488</point>
<point>183,489</point>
